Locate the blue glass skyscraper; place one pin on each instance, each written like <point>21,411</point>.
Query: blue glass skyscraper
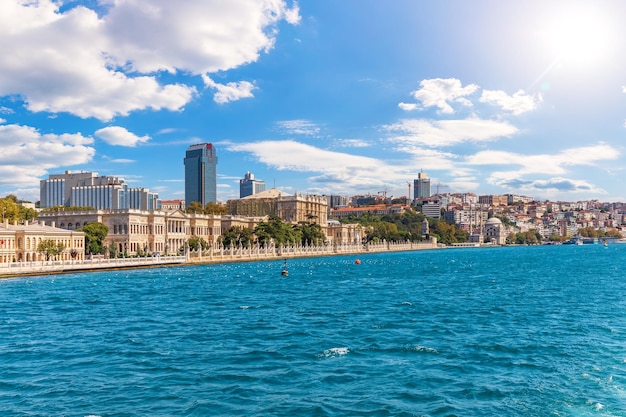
<point>201,174</point>
<point>250,186</point>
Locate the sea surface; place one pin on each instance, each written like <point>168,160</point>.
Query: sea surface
<point>512,331</point>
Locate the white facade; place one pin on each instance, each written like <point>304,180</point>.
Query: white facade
<point>87,189</point>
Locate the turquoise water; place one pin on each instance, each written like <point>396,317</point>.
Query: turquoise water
<point>524,331</point>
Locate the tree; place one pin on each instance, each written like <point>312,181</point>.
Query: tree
<point>588,232</point>
<point>311,233</point>
<point>196,242</point>
<point>194,207</point>
<point>95,233</point>
<point>50,248</point>
<point>613,233</point>
<point>236,236</point>
<point>9,209</point>
<point>530,237</point>
<point>210,208</point>
<point>12,210</point>
<point>213,208</point>
<point>275,229</point>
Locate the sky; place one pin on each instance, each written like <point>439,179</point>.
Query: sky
<point>348,97</point>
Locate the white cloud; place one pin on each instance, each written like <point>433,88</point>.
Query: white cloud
<point>555,166</point>
<point>119,136</point>
<point>439,92</point>
<point>299,127</point>
<point>547,187</point>
<point>430,159</point>
<point>231,91</point>
<point>337,171</point>
<point>200,36</point>
<point>352,143</point>
<point>293,15</point>
<point>436,133</point>
<point>27,155</point>
<point>27,194</point>
<point>104,66</point>
<point>407,106</point>
<point>517,104</point>
<point>545,163</point>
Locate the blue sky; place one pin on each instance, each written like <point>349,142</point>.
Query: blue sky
<point>320,96</point>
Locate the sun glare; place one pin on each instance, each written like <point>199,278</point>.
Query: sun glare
<point>580,37</point>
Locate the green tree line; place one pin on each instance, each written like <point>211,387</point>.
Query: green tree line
<point>13,211</point>
<point>274,230</point>
<point>407,226</point>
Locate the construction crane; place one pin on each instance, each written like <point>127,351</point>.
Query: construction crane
<point>440,185</point>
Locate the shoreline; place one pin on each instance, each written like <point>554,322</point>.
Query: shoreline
<point>238,255</point>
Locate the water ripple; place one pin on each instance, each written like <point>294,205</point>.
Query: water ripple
<point>436,333</point>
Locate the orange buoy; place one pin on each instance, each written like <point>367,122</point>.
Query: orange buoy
<point>358,262</point>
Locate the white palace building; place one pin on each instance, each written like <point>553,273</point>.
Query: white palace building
<point>19,242</point>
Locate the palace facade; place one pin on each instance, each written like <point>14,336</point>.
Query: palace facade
<point>19,242</point>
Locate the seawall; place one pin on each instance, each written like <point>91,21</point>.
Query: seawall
<point>211,256</point>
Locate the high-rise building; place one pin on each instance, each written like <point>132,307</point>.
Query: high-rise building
<point>201,174</point>
<point>249,186</point>
<point>421,186</point>
<point>87,189</point>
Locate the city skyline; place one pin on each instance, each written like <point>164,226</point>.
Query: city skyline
<point>334,98</point>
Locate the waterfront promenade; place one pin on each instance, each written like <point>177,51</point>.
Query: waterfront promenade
<point>256,253</point>
<point>58,267</point>
<point>212,255</point>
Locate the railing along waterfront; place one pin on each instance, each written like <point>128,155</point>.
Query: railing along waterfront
<point>211,255</point>
<point>258,252</point>
<point>46,267</point>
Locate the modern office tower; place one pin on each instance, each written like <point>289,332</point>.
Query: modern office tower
<point>249,186</point>
<point>87,189</point>
<point>421,186</point>
<point>201,174</point>
<point>336,201</point>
